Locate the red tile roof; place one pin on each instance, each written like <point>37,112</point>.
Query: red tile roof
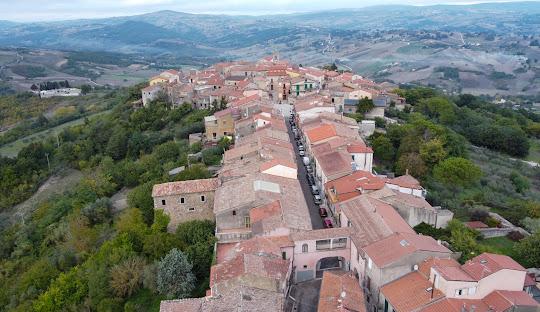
<point>406,181</point>
<point>502,300</point>
<point>410,292</point>
<point>488,263</point>
<point>321,133</point>
<point>263,212</point>
<point>276,162</point>
<point>353,185</point>
<point>185,187</point>
<point>425,266</point>
<point>359,149</point>
<point>397,246</point>
<point>340,291</point>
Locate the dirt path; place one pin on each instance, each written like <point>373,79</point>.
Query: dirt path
<point>119,200</point>
<point>56,184</point>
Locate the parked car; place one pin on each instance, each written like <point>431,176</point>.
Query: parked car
<point>309,169</point>
<point>300,147</point>
<point>314,190</point>
<point>317,199</point>
<point>328,223</point>
<point>323,213</point>
<point>302,153</point>
<point>298,142</point>
<point>306,161</point>
<point>310,178</point>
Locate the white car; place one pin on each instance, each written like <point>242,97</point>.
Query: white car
<point>301,153</point>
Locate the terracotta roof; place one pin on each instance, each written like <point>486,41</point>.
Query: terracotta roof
<point>399,245</point>
<point>323,132</point>
<point>359,148</point>
<point>334,163</point>
<point>372,220</point>
<point>353,185</point>
<point>425,266</point>
<point>456,305</point>
<point>265,211</point>
<point>406,181</point>
<point>503,300</point>
<point>277,162</point>
<point>185,187</point>
<point>410,292</point>
<point>340,291</point>
<point>476,225</point>
<point>488,263</point>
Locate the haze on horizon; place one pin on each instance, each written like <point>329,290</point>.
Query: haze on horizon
<point>34,10</point>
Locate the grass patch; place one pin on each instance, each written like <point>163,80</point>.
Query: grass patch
<point>534,151</point>
<point>501,245</point>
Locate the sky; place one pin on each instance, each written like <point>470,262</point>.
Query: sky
<point>39,10</point>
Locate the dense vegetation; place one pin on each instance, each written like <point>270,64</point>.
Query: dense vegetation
<point>460,149</point>
<point>77,251</point>
<point>25,113</point>
<point>29,71</point>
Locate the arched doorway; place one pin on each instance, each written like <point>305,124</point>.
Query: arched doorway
<point>329,263</point>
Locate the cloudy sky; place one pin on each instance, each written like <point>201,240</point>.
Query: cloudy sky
<point>39,10</point>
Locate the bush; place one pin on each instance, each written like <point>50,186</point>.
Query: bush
<point>515,236</point>
<point>174,278</point>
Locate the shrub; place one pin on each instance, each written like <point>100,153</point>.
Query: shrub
<point>515,236</point>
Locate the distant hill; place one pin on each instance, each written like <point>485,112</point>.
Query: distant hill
<point>395,43</point>
<point>145,33</point>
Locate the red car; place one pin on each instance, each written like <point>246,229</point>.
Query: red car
<point>323,213</point>
<point>328,223</point>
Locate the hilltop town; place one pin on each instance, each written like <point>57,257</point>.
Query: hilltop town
<point>303,222</point>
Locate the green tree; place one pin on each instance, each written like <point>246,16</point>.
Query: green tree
<point>413,164</point>
<point>463,239</point>
<point>527,251</point>
<point>141,197</point>
<point>117,145</point>
<point>520,182</point>
<point>383,149</point>
<point>365,105</point>
<point>126,277</point>
<point>432,152</point>
<point>174,276</point>
<point>457,172</point>
<point>98,211</point>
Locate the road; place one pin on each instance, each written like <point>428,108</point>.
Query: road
<point>316,220</point>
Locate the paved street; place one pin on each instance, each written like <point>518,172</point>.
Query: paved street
<point>316,220</point>
<point>304,297</point>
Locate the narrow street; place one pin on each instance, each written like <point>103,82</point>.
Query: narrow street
<point>316,220</point>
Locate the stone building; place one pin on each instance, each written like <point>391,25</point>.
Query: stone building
<point>186,200</point>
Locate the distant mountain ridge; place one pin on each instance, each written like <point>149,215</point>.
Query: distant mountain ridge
<point>163,31</point>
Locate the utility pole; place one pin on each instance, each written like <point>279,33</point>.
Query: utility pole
<point>48,162</point>
<point>57,140</point>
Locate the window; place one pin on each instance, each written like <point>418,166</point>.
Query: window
<point>163,202</point>
<point>339,242</point>
<point>234,212</point>
<point>352,157</point>
<point>247,222</point>
<point>369,263</point>
<point>182,200</point>
<point>214,135</point>
<point>191,209</point>
<point>459,292</point>
<point>305,266</point>
<point>284,255</point>
<point>322,244</point>
<point>305,248</point>
<point>203,198</point>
